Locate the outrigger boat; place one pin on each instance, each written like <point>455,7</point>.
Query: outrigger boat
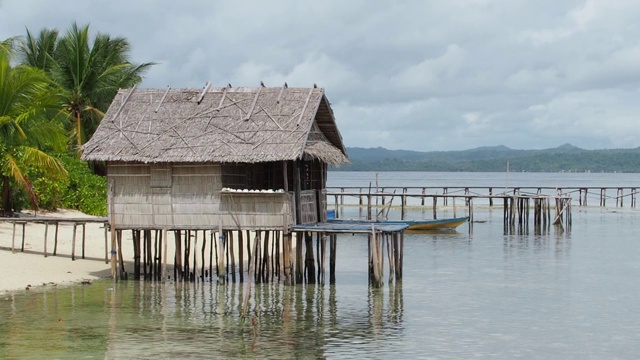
<point>450,223</point>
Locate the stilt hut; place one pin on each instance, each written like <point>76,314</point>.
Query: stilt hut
<point>217,158</point>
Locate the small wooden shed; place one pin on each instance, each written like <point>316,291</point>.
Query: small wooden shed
<point>230,158</point>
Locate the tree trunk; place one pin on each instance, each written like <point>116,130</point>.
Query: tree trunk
<point>6,196</point>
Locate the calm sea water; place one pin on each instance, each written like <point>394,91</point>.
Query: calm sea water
<point>564,294</point>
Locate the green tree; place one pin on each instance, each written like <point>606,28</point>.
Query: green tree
<point>28,126</point>
<point>90,72</point>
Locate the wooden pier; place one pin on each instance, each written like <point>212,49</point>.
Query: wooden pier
<point>56,222</point>
<point>373,204</point>
<point>434,196</point>
<point>299,255</point>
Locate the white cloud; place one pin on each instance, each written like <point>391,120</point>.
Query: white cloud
<point>526,74</point>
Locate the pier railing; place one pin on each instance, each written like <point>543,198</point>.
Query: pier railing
<point>377,203</point>
<point>435,196</point>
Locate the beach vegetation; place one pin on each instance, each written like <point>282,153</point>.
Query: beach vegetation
<point>87,71</point>
<point>30,128</point>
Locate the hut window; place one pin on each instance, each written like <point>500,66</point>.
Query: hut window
<point>253,176</point>
<point>160,175</point>
<point>234,176</point>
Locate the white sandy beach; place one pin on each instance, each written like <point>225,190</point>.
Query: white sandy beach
<point>31,268</point>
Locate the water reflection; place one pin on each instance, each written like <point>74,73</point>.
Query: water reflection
<point>146,320</point>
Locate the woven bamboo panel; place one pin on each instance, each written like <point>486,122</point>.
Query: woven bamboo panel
<point>308,207</point>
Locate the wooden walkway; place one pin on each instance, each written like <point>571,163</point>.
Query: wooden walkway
<point>56,222</point>
<point>380,236</point>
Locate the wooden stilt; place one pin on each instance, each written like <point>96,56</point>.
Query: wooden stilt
<point>233,256</point>
<point>120,257</point>
<point>278,252</point>
<point>221,278</point>
<point>46,229</point>
<point>136,254</point>
<point>73,242</point>
<point>13,239</point>
<point>196,276</point>
<point>55,241</point>
<point>177,263</point>
<point>333,244</point>
<point>204,245</point>
<point>309,259</point>
<point>106,245</point>
<point>324,257</point>
<point>145,259</point>
<point>298,265</point>
<point>211,247</point>
<point>240,256</point>
<point>187,251</point>
<point>288,266</point>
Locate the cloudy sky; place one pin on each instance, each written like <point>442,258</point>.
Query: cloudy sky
<point>418,74</point>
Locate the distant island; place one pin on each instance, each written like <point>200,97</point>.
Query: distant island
<point>565,158</point>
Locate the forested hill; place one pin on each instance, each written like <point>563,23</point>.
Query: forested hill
<point>566,158</point>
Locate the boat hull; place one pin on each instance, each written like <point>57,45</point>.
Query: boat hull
<point>435,224</point>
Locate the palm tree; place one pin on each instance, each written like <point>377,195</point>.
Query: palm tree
<point>89,72</point>
<point>28,105</point>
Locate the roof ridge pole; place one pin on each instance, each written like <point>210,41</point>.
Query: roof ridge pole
<point>162,99</point>
<point>206,87</point>
<point>122,105</point>
<point>255,100</point>
<point>305,106</point>
<point>281,92</point>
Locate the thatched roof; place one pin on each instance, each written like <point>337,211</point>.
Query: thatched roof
<point>225,125</point>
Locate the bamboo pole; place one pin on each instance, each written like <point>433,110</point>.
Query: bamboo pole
<point>112,228</point>
<point>221,279</point>
<point>46,229</point>
<point>241,253</point>
<point>73,241</point>
<point>233,256</point>
<point>13,239</point>
<point>55,242</point>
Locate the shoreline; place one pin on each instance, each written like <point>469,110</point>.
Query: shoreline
<point>31,268</point>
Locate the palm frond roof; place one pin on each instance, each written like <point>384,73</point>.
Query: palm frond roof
<point>225,125</point>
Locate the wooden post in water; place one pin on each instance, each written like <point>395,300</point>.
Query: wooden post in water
<point>309,259</point>
<point>333,244</point>
<point>177,264</point>
<point>390,256</point>
<point>299,242</point>
<point>120,259</point>
<point>240,256</point>
<point>435,205</point>
<point>112,228</point>
<point>286,253</point>
<point>323,255</point>
<point>233,256</point>
<point>620,197</point>
<point>403,205</point>
<point>221,267</point>
<point>136,254</point>
<point>375,273</point>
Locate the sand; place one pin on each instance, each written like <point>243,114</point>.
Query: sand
<point>23,270</point>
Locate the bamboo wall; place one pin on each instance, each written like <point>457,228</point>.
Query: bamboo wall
<point>189,196</point>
